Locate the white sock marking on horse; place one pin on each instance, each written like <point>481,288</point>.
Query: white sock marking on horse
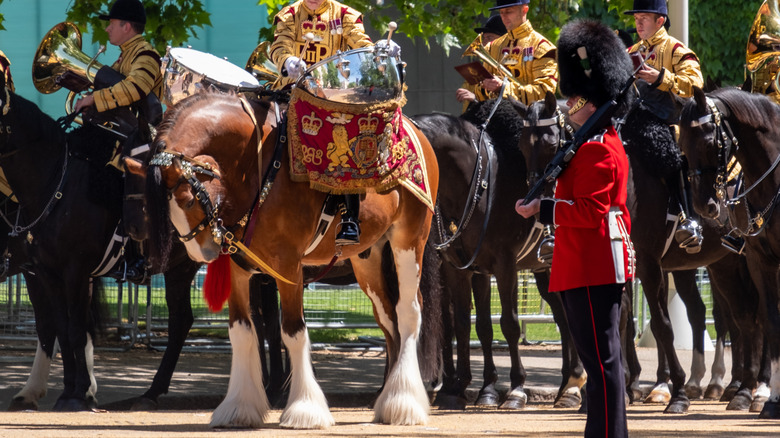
<point>404,400</point>
<point>307,407</point>
<point>718,370</point>
<point>762,390</point>
<point>774,382</point>
<point>246,404</point>
<point>698,368</point>
<point>89,352</point>
<point>384,318</point>
<point>35,388</point>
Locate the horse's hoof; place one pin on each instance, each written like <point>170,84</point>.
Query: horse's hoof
<point>713,392</point>
<point>758,403</point>
<point>516,399</point>
<point>20,404</point>
<point>71,405</point>
<point>740,402</point>
<point>658,397</point>
<point>568,400</point>
<point>771,411</point>
<point>678,406</point>
<point>730,390</point>
<point>450,402</point>
<point>693,392</point>
<point>144,404</point>
<point>487,399</point>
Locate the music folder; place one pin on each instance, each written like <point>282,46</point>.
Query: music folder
<point>473,72</point>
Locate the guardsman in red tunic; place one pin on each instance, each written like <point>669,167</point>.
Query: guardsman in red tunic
<point>593,256</point>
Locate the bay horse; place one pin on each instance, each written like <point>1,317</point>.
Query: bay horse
<point>485,174</point>
<point>214,133</point>
<point>650,146</point>
<point>731,124</point>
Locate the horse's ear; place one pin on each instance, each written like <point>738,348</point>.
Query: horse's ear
<point>747,85</point>
<point>134,166</point>
<point>520,107</point>
<point>550,102</point>
<point>711,85</point>
<point>700,98</point>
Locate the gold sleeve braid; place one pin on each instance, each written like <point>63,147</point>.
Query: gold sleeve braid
<point>294,21</point>
<point>531,59</point>
<point>140,64</point>
<point>679,64</point>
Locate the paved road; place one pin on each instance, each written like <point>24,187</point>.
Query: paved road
<point>349,380</point>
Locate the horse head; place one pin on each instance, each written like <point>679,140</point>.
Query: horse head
<point>705,154</point>
<point>188,183</point>
<point>545,129</point>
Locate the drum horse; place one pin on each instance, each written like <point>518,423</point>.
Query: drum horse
<point>221,166</point>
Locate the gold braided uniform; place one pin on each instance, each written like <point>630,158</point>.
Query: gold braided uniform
<point>531,59</point>
<point>140,63</point>
<point>5,70</point>
<point>334,26</point>
<point>679,66</point>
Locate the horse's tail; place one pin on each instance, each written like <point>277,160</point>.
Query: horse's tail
<point>160,229</point>
<point>429,353</point>
<point>216,285</point>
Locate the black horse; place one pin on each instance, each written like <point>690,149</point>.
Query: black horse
<point>480,235</point>
<point>652,151</point>
<point>715,128</point>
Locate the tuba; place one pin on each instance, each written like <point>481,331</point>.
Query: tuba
<point>477,49</point>
<point>260,65</point>
<point>59,62</point>
<point>762,58</point>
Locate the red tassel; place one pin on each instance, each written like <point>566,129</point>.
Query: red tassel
<point>216,285</point>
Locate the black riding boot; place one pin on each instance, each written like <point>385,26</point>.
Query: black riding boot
<point>688,233</point>
<point>350,225</point>
<point>132,266</point>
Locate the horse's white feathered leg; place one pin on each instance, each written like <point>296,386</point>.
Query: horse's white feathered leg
<point>89,352</point>
<point>246,404</point>
<point>307,407</point>
<point>35,387</point>
<point>404,400</point>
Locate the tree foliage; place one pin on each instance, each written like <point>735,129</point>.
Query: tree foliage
<point>168,22</point>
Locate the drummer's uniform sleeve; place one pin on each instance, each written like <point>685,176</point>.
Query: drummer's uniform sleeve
<point>140,64</point>
<point>284,37</point>
<point>354,33</point>
<point>531,59</point>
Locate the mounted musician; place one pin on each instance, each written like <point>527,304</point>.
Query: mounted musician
<point>522,55</point>
<point>5,71</point>
<point>762,57</point>
<point>308,32</point>
<point>492,29</point>
<point>133,82</point>
<point>669,67</point>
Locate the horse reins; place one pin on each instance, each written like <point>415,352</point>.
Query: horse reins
<point>476,188</point>
<point>726,143</point>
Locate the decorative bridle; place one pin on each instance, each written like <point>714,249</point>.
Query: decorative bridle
<point>727,144</point>
<point>557,119</point>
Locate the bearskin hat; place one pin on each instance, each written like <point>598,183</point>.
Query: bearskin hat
<point>592,61</point>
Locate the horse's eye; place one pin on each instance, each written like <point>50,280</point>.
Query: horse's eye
<point>190,203</point>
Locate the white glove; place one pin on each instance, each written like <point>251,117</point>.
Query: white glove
<point>393,49</point>
<point>294,66</point>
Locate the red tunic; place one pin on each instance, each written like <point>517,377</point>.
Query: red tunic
<point>592,243</point>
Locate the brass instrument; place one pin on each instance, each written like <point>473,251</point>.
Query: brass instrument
<point>59,62</point>
<point>763,51</point>
<point>477,49</point>
<point>260,65</point>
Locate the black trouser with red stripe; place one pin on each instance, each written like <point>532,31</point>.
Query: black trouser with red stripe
<point>593,313</point>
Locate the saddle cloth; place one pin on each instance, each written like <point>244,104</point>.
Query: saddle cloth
<point>354,148</point>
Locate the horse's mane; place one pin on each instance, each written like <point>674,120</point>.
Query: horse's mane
<point>755,111</point>
<point>504,127</point>
<point>44,128</point>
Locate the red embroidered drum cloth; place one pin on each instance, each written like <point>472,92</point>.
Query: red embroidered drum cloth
<point>354,148</point>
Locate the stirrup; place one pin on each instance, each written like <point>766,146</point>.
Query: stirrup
<point>688,235</point>
<point>733,243</point>
<point>544,253</point>
<point>349,233</point>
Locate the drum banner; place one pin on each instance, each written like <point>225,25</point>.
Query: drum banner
<point>354,148</point>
